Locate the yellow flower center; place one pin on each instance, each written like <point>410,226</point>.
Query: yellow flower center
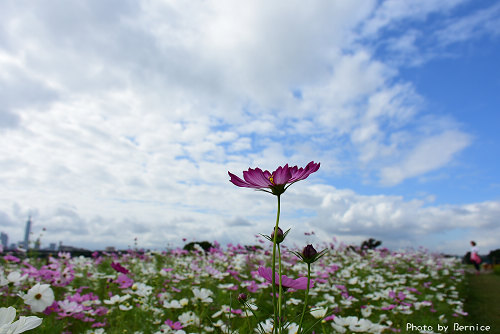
<point>271,178</point>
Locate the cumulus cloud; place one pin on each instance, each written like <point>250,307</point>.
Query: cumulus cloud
<point>124,117</point>
<point>429,154</point>
<point>399,222</point>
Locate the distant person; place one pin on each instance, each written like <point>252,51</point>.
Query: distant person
<point>474,256</point>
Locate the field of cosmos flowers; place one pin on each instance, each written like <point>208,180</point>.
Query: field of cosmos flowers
<point>375,291</point>
<point>267,288</point>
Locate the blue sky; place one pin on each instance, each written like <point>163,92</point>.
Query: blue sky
<point>121,119</point>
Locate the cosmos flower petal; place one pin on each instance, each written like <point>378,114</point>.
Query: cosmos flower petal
<point>256,177</point>
<point>300,283</point>
<point>7,315</point>
<point>239,182</point>
<point>282,175</point>
<point>25,324</point>
<point>302,173</point>
<point>287,282</point>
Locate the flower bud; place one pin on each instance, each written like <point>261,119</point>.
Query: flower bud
<point>280,236</point>
<point>309,253</point>
<point>242,298</point>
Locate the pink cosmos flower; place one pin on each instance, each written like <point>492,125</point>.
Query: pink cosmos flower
<point>11,258</point>
<point>297,284</point>
<point>119,268</point>
<point>278,181</point>
<point>98,324</point>
<point>124,281</point>
<point>174,325</point>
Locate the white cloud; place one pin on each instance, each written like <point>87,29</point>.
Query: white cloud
<point>392,12</point>
<point>429,154</point>
<point>398,222</point>
<point>331,213</point>
<point>482,22</point>
<point>124,117</point>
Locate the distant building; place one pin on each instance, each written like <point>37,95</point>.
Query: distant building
<point>64,248</point>
<point>52,246</point>
<point>110,249</point>
<point>27,232</point>
<point>4,239</point>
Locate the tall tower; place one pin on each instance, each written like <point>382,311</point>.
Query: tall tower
<point>5,240</point>
<point>27,234</point>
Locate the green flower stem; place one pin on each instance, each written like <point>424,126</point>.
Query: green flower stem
<point>280,287</point>
<point>276,325</point>
<point>307,296</point>
<point>257,320</point>
<point>246,316</point>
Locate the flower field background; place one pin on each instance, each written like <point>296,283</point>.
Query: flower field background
<point>355,291</point>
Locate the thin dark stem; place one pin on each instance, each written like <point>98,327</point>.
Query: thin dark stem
<point>275,239</point>
<point>307,295</point>
<point>280,294</point>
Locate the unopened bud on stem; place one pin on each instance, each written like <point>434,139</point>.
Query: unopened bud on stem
<point>242,298</point>
<point>280,237</point>
<point>309,253</point>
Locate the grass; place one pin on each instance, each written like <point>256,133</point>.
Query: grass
<point>483,300</point>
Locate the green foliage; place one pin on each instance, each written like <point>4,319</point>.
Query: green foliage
<point>203,244</point>
<point>371,244</point>
<point>494,256</point>
<point>496,269</point>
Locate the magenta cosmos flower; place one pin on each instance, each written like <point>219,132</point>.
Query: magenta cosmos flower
<point>286,282</point>
<point>278,181</point>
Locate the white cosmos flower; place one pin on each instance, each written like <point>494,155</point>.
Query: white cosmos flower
<point>353,281</point>
<point>124,307</point>
<point>7,315</point>
<point>267,326</point>
<point>293,328</point>
<point>3,280</point>
<point>221,324</point>
<point>203,295</point>
<point>361,326</point>
<point>319,312</point>
<point>141,289</point>
<point>172,304</point>
<point>16,277</point>
<point>70,307</point>
<point>338,328</point>
<point>116,299</point>
<point>189,318</point>
<point>95,331</point>
<point>366,312</point>
<point>293,301</point>
<point>39,297</point>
